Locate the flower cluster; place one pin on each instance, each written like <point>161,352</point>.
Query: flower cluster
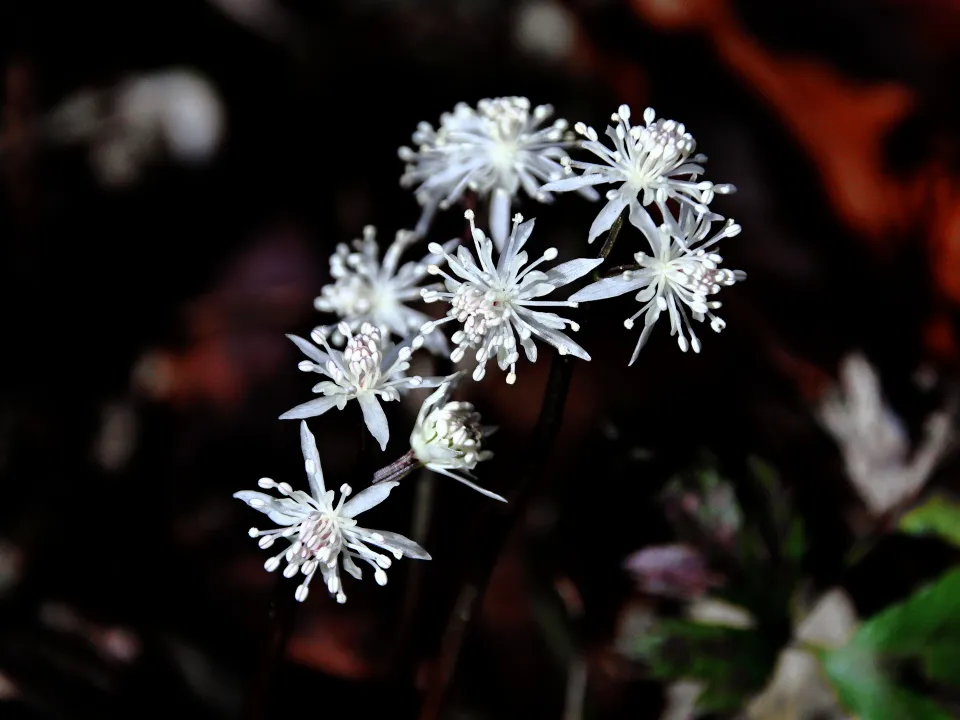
<point>321,535</point>
<point>368,367</point>
<point>496,304</point>
<point>492,150</point>
<point>652,164</point>
<point>448,437</point>
<point>678,277</point>
<point>367,289</point>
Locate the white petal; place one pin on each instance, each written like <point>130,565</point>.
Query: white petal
<point>514,245</point>
<point>374,417</point>
<point>367,498</point>
<point>554,337</point>
<point>351,567</point>
<point>610,287</point>
<point>644,336</point>
<point>640,218</point>
<point>471,485</point>
<point>499,217</point>
<point>429,382</point>
<point>310,350</point>
<point>311,408</point>
<point>574,183</point>
<point>308,445</point>
<point>607,215</point>
<point>571,270</point>
<point>391,541</point>
<point>283,511</point>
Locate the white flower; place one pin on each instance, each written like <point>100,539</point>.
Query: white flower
<point>678,275</point>
<point>131,125</point>
<point>493,150</point>
<point>368,366</point>
<point>875,443</point>
<point>448,437</point>
<point>654,160</point>
<point>322,534</point>
<point>493,301</point>
<point>368,290</point>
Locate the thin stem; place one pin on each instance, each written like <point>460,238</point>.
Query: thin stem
<point>497,530</point>
<point>279,627</point>
<point>405,649</point>
<point>612,236</point>
<point>397,470</point>
<point>405,652</point>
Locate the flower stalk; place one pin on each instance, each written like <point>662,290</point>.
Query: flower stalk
<point>498,529</point>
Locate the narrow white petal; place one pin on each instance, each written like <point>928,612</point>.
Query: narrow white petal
<point>310,350</point>
<point>515,244</point>
<point>607,215</point>
<point>640,218</point>
<point>367,498</point>
<point>375,418</point>
<point>391,541</point>
<point>610,287</point>
<point>281,511</point>
<point>499,217</point>
<point>558,339</point>
<point>472,485</point>
<point>571,270</point>
<point>308,445</point>
<point>644,336</point>
<point>574,183</point>
<point>311,408</point>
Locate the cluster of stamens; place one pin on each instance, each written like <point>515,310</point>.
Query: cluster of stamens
<point>457,425</point>
<point>361,366</point>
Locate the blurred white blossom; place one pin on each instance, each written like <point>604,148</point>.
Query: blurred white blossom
<point>369,366</point>
<point>545,28</point>
<point>448,437</point>
<point>873,440</point>
<point>653,162</point>
<point>131,126</point>
<point>493,150</point>
<point>267,18</point>
<point>323,534</point>
<point>368,289</point>
<point>495,303</point>
<point>678,275</point>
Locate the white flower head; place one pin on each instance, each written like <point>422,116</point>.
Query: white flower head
<point>448,437</point>
<point>323,534</point>
<point>874,441</point>
<point>654,162</point>
<point>677,277</point>
<point>496,303</point>
<point>367,289</point>
<point>369,366</point>
<point>493,150</point>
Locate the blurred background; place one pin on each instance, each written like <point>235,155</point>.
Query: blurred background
<point>173,178</point>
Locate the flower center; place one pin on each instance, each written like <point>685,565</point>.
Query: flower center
<point>657,150</point>
<point>503,154</point>
<point>362,358</point>
<point>319,538</point>
<point>478,310</point>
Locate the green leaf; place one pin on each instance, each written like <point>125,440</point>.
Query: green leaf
<point>938,516</point>
<point>732,663</point>
<point>924,630</point>
<point>865,688</point>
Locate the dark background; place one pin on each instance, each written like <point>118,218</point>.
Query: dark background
<point>156,309</point>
